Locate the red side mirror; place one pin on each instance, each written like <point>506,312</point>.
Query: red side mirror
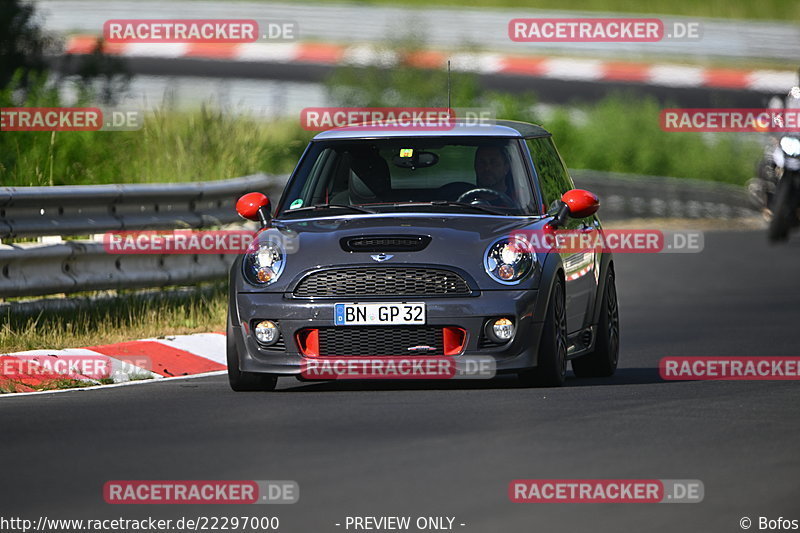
<point>251,204</point>
<point>581,203</point>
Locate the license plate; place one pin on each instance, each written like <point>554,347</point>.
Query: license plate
<point>389,314</point>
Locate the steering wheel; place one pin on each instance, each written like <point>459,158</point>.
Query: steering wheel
<point>495,196</point>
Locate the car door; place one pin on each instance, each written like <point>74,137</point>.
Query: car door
<point>579,265</point>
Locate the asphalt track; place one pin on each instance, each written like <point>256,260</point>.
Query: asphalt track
<point>451,449</point>
<point>437,26</point>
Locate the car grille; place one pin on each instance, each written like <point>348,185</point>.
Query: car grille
<point>486,343</point>
<point>385,243</point>
<point>382,281</point>
<point>380,341</point>
<point>279,346</point>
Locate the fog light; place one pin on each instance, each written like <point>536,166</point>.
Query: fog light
<point>503,329</point>
<point>267,332</point>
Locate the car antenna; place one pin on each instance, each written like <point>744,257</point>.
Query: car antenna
<point>448,85</point>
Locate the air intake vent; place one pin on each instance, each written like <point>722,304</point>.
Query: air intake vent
<point>380,341</point>
<point>382,281</point>
<point>586,338</point>
<point>385,243</point>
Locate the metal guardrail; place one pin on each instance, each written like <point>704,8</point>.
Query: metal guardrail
<point>73,266</point>
<point>634,196</point>
<point>33,269</point>
<point>88,209</point>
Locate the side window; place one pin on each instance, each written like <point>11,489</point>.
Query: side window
<point>553,177</point>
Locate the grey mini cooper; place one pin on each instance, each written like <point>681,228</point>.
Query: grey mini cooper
<point>399,243</point>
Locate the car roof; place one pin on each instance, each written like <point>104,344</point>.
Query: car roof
<point>497,128</point>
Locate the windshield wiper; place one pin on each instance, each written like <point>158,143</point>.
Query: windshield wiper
<point>329,206</point>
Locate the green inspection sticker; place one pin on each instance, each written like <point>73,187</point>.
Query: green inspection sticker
<point>406,152</point>
<point>297,203</point>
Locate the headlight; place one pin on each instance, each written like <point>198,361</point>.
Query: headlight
<point>263,262</point>
<point>508,260</point>
<point>791,145</point>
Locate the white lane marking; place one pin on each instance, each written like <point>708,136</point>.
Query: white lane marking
<point>155,49</point>
<point>101,387</point>
<point>677,76</point>
<point>280,52</point>
<point>206,345</point>
<point>574,69</point>
<point>68,351</point>
<point>771,81</point>
<point>368,55</point>
<point>476,62</point>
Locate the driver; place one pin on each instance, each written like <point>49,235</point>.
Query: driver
<point>493,169</point>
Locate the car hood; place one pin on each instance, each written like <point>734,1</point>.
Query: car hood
<point>457,242</point>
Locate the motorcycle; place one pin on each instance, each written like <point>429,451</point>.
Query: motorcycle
<point>776,188</point>
<point>786,200</point>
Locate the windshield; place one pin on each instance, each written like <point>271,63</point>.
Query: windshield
<point>442,174</point>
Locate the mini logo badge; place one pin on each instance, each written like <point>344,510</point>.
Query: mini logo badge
<point>380,258</point>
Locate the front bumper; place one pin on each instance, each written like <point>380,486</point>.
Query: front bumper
<point>469,313</point>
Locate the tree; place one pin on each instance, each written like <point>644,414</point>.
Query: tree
<point>24,44</point>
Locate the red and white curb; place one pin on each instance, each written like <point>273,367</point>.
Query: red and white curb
<point>668,75</point>
<point>143,360</point>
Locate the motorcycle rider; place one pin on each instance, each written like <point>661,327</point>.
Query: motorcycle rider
<point>762,188</point>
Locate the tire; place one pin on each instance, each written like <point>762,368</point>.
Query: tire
<point>602,362</point>
<point>782,210</point>
<point>244,381</point>
<point>552,367</point>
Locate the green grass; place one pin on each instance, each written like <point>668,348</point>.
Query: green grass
<point>778,10</point>
<point>619,134</point>
<point>623,135</point>
<point>12,386</point>
<point>781,10</point>
<point>129,316</point>
<point>172,146</point>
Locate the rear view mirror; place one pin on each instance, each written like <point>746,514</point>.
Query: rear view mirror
<point>575,203</point>
<point>410,158</point>
<point>581,203</point>
<point>254,206</point>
